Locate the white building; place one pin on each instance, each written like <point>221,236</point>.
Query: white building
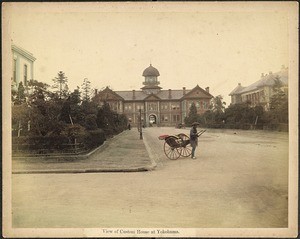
<point>261,91</point>
<point>22,67</point>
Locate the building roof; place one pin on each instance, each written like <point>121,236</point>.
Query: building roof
<point>151,71</point>
<point>197,92</point>
<point>128,95</point>
<point>137,95</point>
<point>151,87</point>
<point>23,52</point>
<point>265,80</point>
<point>237,89</point>
<point>269,80</point>
<point>175,94</point>
<point>163,94</point>
<point>107,94</point>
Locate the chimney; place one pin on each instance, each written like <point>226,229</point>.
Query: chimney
<point>239,84</point>
<point>96,91</point>
<point>133,94</point>
<point>170,94</point>
<point>262,74</point>
<point>270,72</point>
<point>183,88</point>
<point>207,89</point>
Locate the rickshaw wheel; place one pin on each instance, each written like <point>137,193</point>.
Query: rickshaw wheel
<point>186,148</point>
<point>172,152</point>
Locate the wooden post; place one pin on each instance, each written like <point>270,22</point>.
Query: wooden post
<point>19,129</point>
<point>141,134</point>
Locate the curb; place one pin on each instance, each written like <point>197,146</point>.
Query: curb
<point>151,156</point>
<point>102,170</point>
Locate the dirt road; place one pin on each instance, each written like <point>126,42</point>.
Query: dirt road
<point>238,180</point>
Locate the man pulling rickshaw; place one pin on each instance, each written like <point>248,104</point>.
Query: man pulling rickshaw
<point>182,144</point>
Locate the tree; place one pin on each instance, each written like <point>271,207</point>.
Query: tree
<point>279,104</point>
<point>19,96</point>
<point>44,110</point>
<point>91,122</point>
<point>193,116</point>
<point>75,96</point>
<point>34,85</point>
<point>217,104</point>
<point>86,89</point>
<point>104,116</point>
<point>20,119</point>
<point>61,85</point>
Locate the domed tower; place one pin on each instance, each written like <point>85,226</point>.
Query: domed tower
<point>151,83</point>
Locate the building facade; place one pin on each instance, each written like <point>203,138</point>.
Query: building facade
<point>155,106</point>
<point>261,91</point>
<point>22,67</point>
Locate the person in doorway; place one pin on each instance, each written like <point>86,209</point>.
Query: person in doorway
<point>194,138</point>
<point>129,126</point>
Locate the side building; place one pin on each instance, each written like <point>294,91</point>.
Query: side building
<point>22,67</point>
<point>261,91</point>
<point>155,106</point>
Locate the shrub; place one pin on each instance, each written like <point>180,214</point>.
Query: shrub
<point>92,138</point>
<point>91,122</point>
<point>47,142</point>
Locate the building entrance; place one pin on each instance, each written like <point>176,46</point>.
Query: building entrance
<point>152,120</point>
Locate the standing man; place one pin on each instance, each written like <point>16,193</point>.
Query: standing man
<point>194,138</point>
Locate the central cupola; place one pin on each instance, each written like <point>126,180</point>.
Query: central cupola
<point>151,83</point>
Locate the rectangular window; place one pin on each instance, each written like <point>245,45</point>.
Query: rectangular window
<point>175,106</point>
<point>176,118</point>
<point>15,70</point>
<point>152,106</point>
<point>25,75</point>
<point>115,106</point>
<point>138,107</point>
<point>164,106</point>
<point>164,118</point>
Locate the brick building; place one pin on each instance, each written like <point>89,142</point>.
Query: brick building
<point>158,107</point>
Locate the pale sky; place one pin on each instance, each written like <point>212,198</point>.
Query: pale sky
<point>189,46</point>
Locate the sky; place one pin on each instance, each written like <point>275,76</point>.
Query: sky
<point>188,46</point>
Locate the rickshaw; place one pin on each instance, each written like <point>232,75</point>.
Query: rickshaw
<point>178,145</point>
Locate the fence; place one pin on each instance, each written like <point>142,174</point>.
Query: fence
<point>274,127</point>
<point>46,149</point>
<point>52,145</point>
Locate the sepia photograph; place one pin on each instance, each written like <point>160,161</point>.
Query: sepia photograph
<point>150,119</point>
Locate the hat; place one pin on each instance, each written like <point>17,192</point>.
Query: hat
<point>195,123</point>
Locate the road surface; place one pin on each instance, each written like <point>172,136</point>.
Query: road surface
<point>239,180</point>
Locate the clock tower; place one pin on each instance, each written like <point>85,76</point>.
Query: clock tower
<point>151,83</point>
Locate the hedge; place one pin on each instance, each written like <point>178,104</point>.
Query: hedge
<point>59,144</point>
